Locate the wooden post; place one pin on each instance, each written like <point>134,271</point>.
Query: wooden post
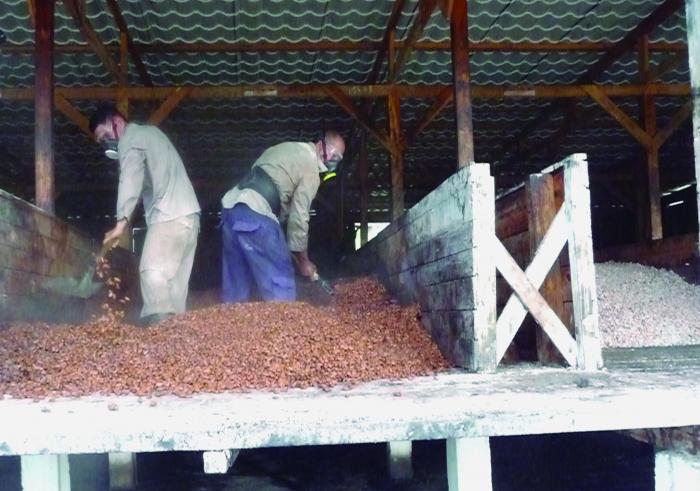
<point>481,213</point>
<point>363,170</point>
<point>397,186</point>
<point>459,32</point>
<point>652,215</point>
<point>43,106</point>
<point>583,287</point>
<point>469,464</point>
<point>692,18</point>
<point>219,461</point>
<point>542,209</point>
<point>399,455</point>
<point>123,94</point>
<point>122,470</point>
<point>47,472</point>
<point>340,207</point>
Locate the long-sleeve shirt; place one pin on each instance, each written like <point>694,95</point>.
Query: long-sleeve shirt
<point>150,168</point>
<point>294,167</point>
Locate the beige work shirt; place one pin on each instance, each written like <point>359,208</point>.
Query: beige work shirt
<point>150,168</point>
<point>294,167</point>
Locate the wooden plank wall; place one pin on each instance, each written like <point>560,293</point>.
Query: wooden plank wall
<point>520,226</point>
<point>430,256</point>
<point>34,246</point>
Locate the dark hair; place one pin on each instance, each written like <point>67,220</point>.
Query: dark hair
<point>103,112</point>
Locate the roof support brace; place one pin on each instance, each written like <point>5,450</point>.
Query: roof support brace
<point>627,43</point>
<point>133,50</point>
<point>76,9</point>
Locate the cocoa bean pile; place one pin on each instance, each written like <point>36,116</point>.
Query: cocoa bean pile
<point>253,346</point>
<point>646,306</point>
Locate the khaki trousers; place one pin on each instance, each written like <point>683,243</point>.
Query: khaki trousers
<point>166,264</point>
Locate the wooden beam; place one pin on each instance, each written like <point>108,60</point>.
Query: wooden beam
<point>122,95</point>
<point>612,54</point>
<point>43,106</point>
<point>363,171</point>
<point>577,201</point>
<point>73,113</point>
<point>461,79</point>
<point>445,7</point>
<point>76,8</point>
<point>547,253</point>
<point>31,9</point>
<point>345,102</point>
<point>168,105</point>
<point>648,113</point>
<point>542,208</point>
<point>319,46</point>
<point>535,303</point>
<point>133,50</point>
<point>443,99</point>
<point>425,10</point>
<point>356,91</point>
<point>387,40</point>
<point>619,115</point>
<point>397,177</point>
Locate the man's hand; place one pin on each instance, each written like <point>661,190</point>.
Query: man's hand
<point>112,236</point>
<point>304,264</point>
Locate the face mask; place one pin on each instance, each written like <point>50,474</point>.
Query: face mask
<point>110,145</point>
<point>332,162</point>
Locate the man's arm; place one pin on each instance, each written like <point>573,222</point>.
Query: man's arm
<point>131,175</point>
<point>298,223</point>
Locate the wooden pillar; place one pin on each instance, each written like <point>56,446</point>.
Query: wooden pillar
<point>652,210</point>
<point>122,470</point>
<point>469,464</point>
<point>122,93</point>
<point>583,286</point>
<point>219,461</point>
<point>400,462</point>
<point>481,215</point>
<point>459,32</point>
<point>397,186</point>
<point>692,18</point>
<point>542,208</point>
<point>363,170</point>
<point>340,208</point>
<point>43,106</point>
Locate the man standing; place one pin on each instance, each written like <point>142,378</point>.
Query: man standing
<point>280,187</point>
<point>151,169</point>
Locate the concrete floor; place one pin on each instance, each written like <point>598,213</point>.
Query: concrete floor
<point>583,461</point>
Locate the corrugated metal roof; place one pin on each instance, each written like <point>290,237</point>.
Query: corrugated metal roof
<point>220,138</point>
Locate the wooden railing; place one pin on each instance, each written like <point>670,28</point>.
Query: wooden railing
<point>444,252</point>
<point>570,225</point>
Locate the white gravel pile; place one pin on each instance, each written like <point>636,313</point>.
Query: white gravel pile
<point>645,306</point>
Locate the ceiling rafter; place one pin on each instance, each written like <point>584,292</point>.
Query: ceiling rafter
<point>425,10</point>
<point>76,8</point>
<point>626,44</point>
<point>238,47</point>
<point>133,50</point>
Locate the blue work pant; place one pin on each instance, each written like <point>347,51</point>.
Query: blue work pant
<point>255,257</point>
